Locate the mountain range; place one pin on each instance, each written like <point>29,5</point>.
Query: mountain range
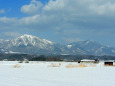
<point>29,44</point>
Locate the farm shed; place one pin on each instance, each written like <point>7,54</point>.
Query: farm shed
<point>108,63</point>
<point>88,61</point>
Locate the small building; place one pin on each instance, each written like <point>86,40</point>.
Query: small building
<point>89,61</point>
<point>108,63</point>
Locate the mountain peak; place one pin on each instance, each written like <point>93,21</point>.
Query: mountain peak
<point>34,45</point>
<point>30,40</point>
<point>28,36</point>
<point>35,37</point>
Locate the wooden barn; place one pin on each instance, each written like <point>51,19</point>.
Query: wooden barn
<point>108,63</point>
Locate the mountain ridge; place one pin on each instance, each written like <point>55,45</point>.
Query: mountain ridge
<point>34,45</point>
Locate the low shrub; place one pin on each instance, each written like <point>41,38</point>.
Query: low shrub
<point>16,66</point>
<point>54,65</point>
<point>75,66</point>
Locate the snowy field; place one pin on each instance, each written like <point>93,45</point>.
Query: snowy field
<point>55,74</point>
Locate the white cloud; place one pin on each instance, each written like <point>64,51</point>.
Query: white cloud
<point>102,9</point>
<point>12,34</point>
<point>2,11</point>
<point>61,15</point>
<point>81,7</point>
<point>54,5</point>
<point>30,20</point>
<point>7,20</point>
<point>8,23</point>
<point>33,8</point>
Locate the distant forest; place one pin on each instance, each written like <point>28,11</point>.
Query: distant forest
<point>14,57</point>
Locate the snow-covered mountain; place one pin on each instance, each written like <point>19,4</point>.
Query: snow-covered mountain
<point>92,48</point>
<point>28,44</point>
<point>28,40</point>
<point>33,45</point>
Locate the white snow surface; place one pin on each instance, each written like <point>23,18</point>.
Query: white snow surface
<point>113,51</point>
<point>42,74</point>
<point>69,46</point>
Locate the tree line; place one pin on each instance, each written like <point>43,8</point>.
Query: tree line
<point>14,57</point>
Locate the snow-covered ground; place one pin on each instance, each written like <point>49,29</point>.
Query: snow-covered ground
<point>55,74</point>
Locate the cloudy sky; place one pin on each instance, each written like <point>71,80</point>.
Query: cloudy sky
<point>61,21</point>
